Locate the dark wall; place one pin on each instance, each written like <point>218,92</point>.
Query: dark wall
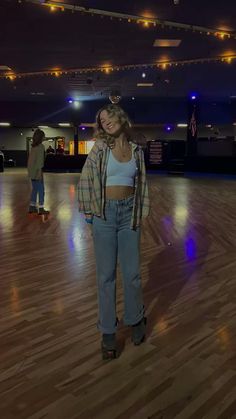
<point>148,111</point>
<point>19,157</point>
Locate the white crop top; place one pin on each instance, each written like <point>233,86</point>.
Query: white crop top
<point>120,173</point>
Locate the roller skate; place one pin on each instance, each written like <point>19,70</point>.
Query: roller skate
<point>42,211</point>
<point>139,331</point>
<point>109,346</point>
<point>33,209</point>
<point>44,214</point>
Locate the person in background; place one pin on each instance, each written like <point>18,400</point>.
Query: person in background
<point>1,161</point>
<point>50,150</point>
<point>60,149</point>
<point>35,171</point>
<point>113,195</point>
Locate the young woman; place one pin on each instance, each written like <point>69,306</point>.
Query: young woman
<point>35,172</point>
<point>113,195</point>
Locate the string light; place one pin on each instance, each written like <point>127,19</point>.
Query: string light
<point>12,77</point>
<point>146,21</point>
<point>54,7</point>
<point>108,69</point>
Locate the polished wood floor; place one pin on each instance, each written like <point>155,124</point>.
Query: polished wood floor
<point>50,361</point>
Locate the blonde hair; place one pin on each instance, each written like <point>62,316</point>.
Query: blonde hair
<point>123,119</point>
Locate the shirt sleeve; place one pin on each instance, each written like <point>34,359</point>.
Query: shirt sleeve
<point>144,187</point>
<point>86,182</point>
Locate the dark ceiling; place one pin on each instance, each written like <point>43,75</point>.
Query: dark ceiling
<point>35,39</point>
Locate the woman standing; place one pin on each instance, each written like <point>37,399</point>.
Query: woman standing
<point>35,171</point>
<point>113,195</point>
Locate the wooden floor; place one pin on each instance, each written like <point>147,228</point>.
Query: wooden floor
<point>50,359</point>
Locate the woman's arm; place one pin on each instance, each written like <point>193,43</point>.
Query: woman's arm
<point>86,184</point>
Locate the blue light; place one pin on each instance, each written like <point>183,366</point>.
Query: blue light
<point>70,100</point>
<point>190,248</point>
<point>193,96</point>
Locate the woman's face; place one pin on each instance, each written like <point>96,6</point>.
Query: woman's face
<point>109,123</point>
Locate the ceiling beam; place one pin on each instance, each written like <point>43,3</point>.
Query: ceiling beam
<point>134,18</point>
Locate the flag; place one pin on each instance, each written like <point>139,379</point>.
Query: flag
<point>193,124</point>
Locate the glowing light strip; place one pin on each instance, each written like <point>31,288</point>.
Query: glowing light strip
<point>134,18</point>
<point>108,69</point>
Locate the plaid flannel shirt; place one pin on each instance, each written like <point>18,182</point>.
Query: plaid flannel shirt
<point>92,183</point>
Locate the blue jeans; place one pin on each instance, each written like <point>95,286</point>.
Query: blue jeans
<point>37,190</point>
<point>113,239</point>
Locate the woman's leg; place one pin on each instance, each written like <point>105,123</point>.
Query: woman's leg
<point>105,246</point>
<point>34,193</point>
<point>129,259</point>
<point>41,193</point>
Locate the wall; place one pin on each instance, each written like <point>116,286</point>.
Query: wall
<point>15,138</point>
<point>140,110</point>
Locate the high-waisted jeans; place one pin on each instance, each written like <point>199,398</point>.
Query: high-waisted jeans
<point>114,240</point>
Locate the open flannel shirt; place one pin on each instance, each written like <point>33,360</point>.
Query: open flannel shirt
<point>92,184</point>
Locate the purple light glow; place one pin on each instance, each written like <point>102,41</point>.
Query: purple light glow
<point>190,249</point>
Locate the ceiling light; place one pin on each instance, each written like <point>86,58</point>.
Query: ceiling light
<point>167,43</point>
<point>182,125</point>
<point>5,124</point>
<point>77,104</point>
<point>144,84</point>
<point>37,93</point>
<point>64,124</point>
<point>115,96</point>
<point>4,68</point>
<point>43,126</point>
